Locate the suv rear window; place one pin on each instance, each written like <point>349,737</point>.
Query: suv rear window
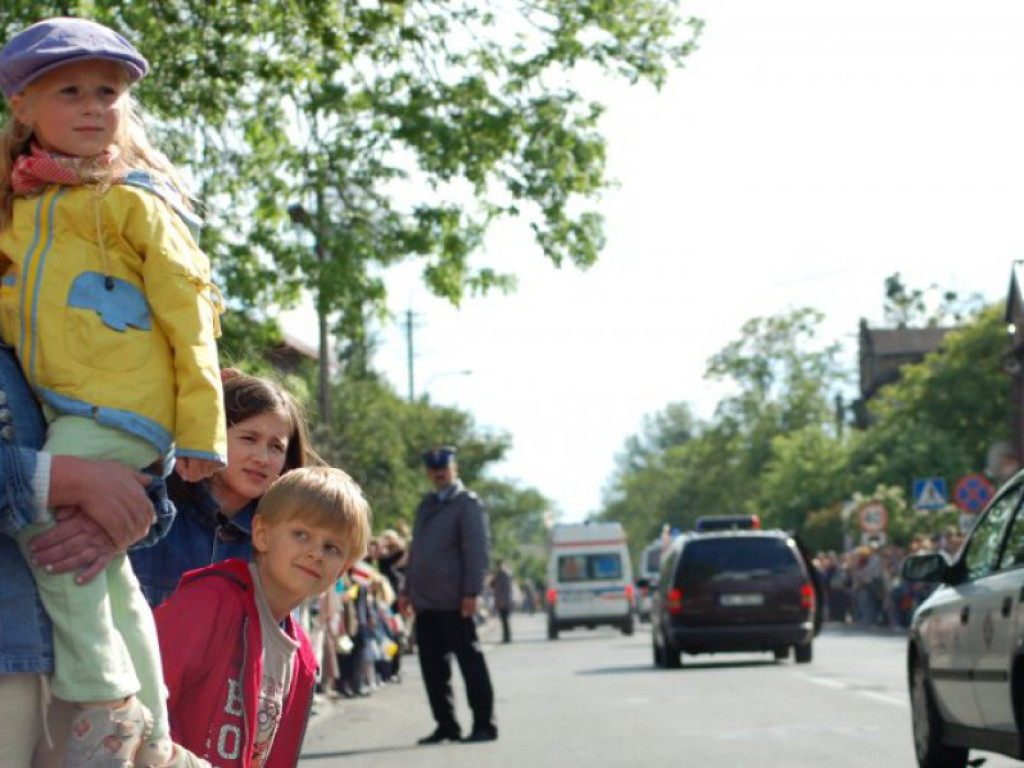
<point>733,558</point>
<point>603,565</point>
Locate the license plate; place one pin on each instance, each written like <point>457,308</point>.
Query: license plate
<point>742,600</point>
<point>575,597</point>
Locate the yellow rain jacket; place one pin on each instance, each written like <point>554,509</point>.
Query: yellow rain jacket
<point>107,301</point>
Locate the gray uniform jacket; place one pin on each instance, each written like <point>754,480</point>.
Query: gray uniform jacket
<point>448,555</point>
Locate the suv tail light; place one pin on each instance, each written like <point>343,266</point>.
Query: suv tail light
<point>629,593</point>
<point>552,596</point>
<point>807,597</point>
<point>675,601</point>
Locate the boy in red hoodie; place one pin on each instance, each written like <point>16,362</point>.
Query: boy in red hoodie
<point>240,672</point>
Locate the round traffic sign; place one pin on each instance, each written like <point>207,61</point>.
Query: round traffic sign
<point>972,493</point>
<point>874,517</point>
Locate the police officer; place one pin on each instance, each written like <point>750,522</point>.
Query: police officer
<point>444,578</point>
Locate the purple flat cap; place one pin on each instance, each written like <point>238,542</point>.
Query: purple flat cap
<point>52,43</point>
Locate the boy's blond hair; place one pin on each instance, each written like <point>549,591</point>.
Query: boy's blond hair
<point>322,496</point>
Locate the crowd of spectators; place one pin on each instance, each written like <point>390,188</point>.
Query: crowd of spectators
<point>355,627</point>
<point>863,585</point>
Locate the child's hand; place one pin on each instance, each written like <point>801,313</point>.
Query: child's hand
<point>194,470</point>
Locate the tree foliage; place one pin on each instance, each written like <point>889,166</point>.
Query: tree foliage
<point>944,413</point>
<point>327,140</point>
<point>772,447</point>
<point>403,128</point>
<point>906,307</point>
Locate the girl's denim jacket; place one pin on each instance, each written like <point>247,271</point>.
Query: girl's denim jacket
<point>202,535</point>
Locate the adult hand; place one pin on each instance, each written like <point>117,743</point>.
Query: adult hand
<point>76,542</point>
<point>468,607</point>
<point>110,493</point>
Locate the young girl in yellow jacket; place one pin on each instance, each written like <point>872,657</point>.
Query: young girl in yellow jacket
<point>107,301</point>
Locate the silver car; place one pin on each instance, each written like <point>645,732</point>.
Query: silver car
<point>965,658</point>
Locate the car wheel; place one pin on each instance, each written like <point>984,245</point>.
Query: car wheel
<point>659,653</point>
<point>803,653</point>
<point>552,629</point>
<point>781,654</point>
<point>627,628</point>
<point>673,656</point>
<point>928,746</point>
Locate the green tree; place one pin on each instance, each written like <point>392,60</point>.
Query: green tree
<point>404,128</point>
<point>679,470</point>
<point>783,376</point>
<point>517,518</point>
<point>645,480</point>
<point>807,472</point>
<point>943,414</point>
<point>906,307</point>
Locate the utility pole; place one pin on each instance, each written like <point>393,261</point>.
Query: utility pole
<point>409,352</point>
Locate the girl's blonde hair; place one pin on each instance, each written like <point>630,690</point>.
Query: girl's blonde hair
<point>132,150</point>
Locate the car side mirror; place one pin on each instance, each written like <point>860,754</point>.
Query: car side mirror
<point>932,567</point>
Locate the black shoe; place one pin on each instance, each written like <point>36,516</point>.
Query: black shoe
<point>481,734</point>
<point>439,736</point>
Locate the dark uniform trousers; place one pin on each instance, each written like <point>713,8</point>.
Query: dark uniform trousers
<point>439,634</point>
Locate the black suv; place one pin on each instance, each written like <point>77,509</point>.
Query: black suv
<point>735,590</point>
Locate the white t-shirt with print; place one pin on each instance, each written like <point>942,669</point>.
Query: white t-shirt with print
<point>278,662</point>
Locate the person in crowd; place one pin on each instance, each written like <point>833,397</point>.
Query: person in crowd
<point>444,579</point>
<point>386,632</point>
<point>868,586</point>
<point>392,556</point>
<point>529,601</point>
<point>246,703</point>
<point>323,610</point>
<point>347,633</point>
<point>267,436</point>
<point>107,506</point>
<point>107,302</point>
<point>501,589</point>
<point>391,559</point>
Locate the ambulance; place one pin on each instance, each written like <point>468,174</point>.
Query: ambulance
<point>590,578</point>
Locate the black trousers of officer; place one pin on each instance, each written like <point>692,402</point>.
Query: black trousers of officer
<point>506,631</point>
<point>439,635</point>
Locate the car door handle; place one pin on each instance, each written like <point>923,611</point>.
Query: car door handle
<point>965,614</point>
<point>1007,605</point>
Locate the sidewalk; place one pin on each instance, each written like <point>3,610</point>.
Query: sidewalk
<point>384,699</point>
<point>835,628</point>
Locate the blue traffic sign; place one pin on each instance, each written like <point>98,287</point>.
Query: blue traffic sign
<point>930,493</point>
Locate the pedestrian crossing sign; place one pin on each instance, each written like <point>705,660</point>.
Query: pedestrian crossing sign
<point>930,493</point>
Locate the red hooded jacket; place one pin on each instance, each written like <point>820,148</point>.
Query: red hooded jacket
<point>211,645</point>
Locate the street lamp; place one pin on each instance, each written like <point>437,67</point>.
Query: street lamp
<point>443,374</point>
<point>299,215</point>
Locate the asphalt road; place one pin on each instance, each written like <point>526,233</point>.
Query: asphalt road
<point>594,698</point>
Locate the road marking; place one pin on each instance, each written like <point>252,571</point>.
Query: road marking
<point>886,698</point>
